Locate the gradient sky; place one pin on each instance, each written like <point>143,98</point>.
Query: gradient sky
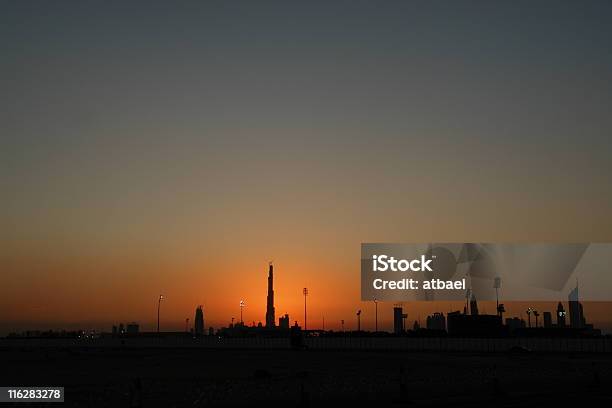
<point>177,148</point>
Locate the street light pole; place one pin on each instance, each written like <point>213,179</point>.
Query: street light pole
<point>241,306</point>
<point>161,297</point>
<point>305,291</point>
<point>497,285</point>
<point>376,306</point>
<point>359,320</point>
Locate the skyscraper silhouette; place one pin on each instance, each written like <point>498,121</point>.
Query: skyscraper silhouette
<point>199,322</point>
<point>576,313</point>
<point>398,319</point>
<point>270,319</point>
<point>473,306</point>
<point>560,315</point>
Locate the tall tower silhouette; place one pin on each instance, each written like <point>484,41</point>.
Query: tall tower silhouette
<point>576,313</point>
<point>473,306</point>
<point>560,315</point>
<point>199,322</point>
<point>270,320</point>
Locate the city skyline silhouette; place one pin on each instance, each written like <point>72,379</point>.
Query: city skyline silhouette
<point>387,325</point>
<point>187,186</point>
<point>178,149</point>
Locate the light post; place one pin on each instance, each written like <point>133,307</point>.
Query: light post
<point>376,320</point>
<point>305,292</point>
<point>161,297</point>
<point>241,306</point>
<point>529,310</point>
<point>359,320</point>
<point>497,285</point>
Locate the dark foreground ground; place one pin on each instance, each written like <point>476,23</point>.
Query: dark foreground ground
<point>205,377</point>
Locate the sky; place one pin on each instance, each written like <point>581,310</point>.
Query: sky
<point>177,148</point>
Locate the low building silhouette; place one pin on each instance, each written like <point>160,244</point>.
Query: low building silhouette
<point>463,325</point>
<point>514,323</point>
<point>547,319</point>
<point>436,321</point>
<point>283,322</point>
<point>132,328</point>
